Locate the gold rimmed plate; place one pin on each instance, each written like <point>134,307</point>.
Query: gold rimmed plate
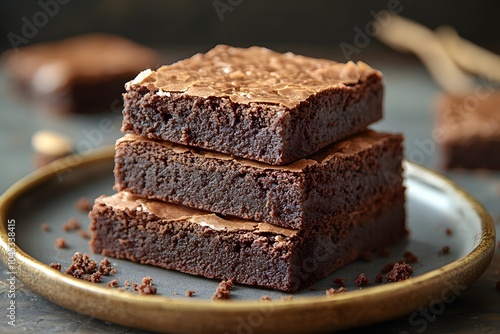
<point>435,207</point>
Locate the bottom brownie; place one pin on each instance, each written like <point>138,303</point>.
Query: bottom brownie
<point>202,243</point>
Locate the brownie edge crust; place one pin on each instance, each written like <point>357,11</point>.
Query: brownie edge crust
<point>200,243</point>
<point>253,103</point>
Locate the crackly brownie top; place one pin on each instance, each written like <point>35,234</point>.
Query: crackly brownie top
<point>469,116</point>
<point>172,212</point>
<point>254,74</point>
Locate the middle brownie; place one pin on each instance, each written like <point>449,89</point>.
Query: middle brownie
<point>337,179</point>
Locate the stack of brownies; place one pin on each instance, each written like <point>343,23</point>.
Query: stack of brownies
<point>253,165</point>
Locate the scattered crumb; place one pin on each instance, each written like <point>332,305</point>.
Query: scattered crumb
<point>106,268</point>
<point>361,280</point>
<point>84,267</point>
<point>410,257</point>
<point>113,283</point>
<point>265,298</point>
<point>379,278</point>
<point>71,225</point>
<point>61,243</point>
<point>190,293</point>
<point>127,283</point>
<point>445,250</point>
<point>400,272</point>
<point>45,227</point>
<point>366,256</point>
<point>84,234</point>
<point>146,287</point>
<point>332,291</point>
<point>287,298</point>
<point>83,204</point>
<point>339,281</point>
<point>388,267</point>
<point>56,266</point>
<point>223,291</point>
<point>448,231</point>
<point>95,277</point>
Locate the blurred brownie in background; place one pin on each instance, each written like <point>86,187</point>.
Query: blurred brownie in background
<point>79,74</point>
<point>468,129</point>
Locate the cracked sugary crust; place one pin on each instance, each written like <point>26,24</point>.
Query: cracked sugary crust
<point>284,261</point>
<point>308,192</point>
<point>269,132</point>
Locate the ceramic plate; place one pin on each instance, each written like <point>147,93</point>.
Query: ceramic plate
<point>434,204</point>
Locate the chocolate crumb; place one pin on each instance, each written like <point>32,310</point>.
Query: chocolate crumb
<point>96,277</point>
<point>332,291</point>
<point>146,287</point>
<point>379,278</point>
<point>127,283</point>
<point>56,266</point>
<point>445,250</point>
<point>339,281</point>
<point>113,283</point>
<point>361,280</point>
<point>410,257</point>
<point>61,243</point>
<point>45,227</point>
<point>286,298</point>
<point>84,234</point>
<point>265,298</point>
<point>71,225</point>
<point>388,267</point>
<point>106,268</point>
<point>83,204</point>
<point>400,272</point>
<point>448,231</point>
<point>190,293</point>
<point>223,290</point>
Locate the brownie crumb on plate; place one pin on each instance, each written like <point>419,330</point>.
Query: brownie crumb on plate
<point>265,298</point>
<point>388,267</point>
<point>333,291</point>
<point>112,283</point>
<point>223,290</point>
<point>84,234</point>
<point>445,250</point>
<point>399,272</point>
<point>361,280</point>
<point>339,281</point>
<point>106,268</point>
<point>146,287</point>
<point>56,266</point>
<point>379,278</point>
<point>83,204</point>
<point>61,243</point>
<point>71,225</point>
<point>410,257</point>
<point>45,227</point>
<point>190,293</point>
<point>448,231</point>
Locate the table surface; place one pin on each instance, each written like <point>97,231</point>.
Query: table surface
<point>409,98</point>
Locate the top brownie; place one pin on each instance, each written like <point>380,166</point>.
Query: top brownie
<point>253,103</point>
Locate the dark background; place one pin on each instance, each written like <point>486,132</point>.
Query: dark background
<point>278,24</point>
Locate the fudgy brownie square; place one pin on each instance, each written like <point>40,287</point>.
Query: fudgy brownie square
<point>468,130</point>
<point>253,103</point>
<point>201,243</point>
<point>310,191</point>
<point>78,74</point>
